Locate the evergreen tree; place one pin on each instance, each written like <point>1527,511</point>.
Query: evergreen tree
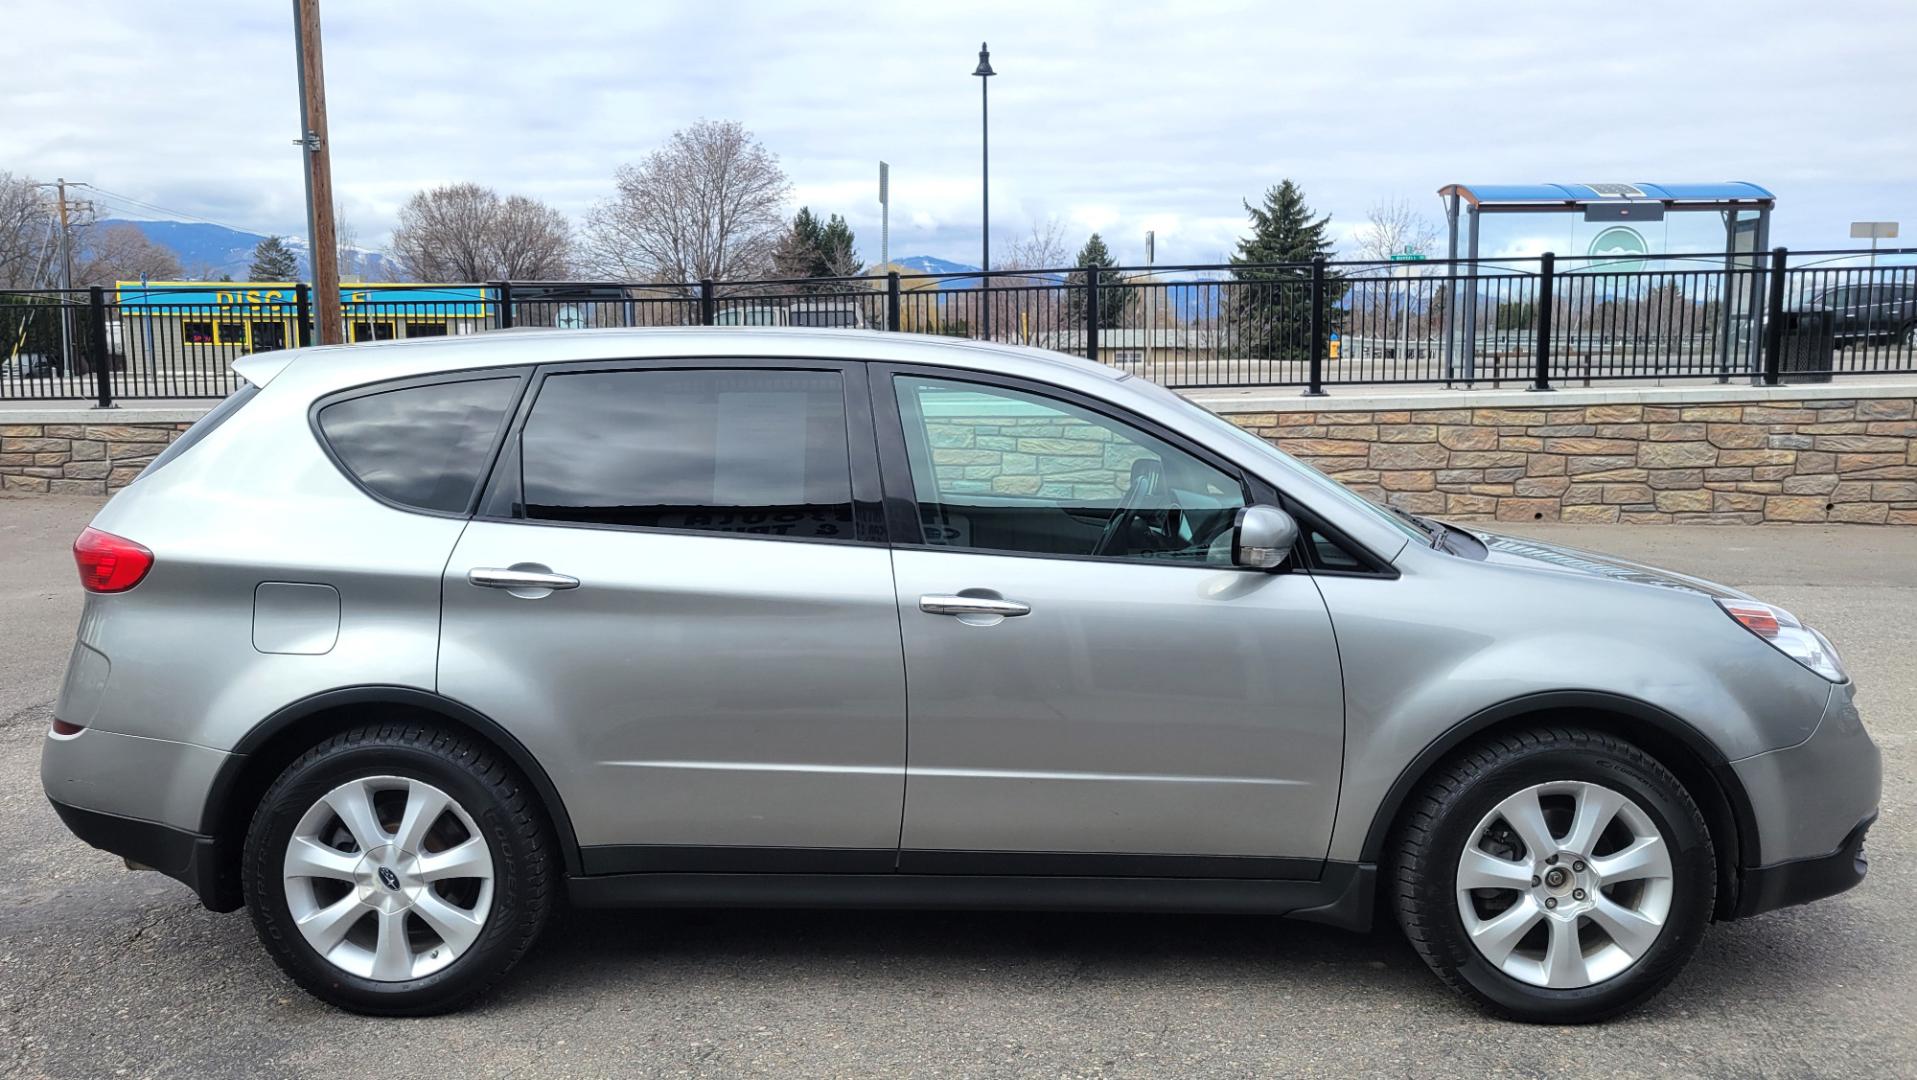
<point>1271,311</point>
<point>1113,298</point>
<point>814,248</point>
<point>838,248</point>
<point>273,261</point>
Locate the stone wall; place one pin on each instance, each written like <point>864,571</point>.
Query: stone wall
<point>78,459</point>
<point>1677,455</point>
<point>1774,459</point>
<point>1053,455</point>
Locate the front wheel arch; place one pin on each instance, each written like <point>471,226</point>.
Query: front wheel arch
<point>1679,747</point>
<point>281,738</point>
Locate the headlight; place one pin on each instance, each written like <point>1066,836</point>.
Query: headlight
<point>1788,636</point>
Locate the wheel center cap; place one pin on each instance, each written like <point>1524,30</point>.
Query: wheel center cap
<point>386,879</point>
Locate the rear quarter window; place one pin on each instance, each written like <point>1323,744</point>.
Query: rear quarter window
<point>425,446</point>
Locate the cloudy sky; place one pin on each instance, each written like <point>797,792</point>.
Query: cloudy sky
<point>1116,117</point>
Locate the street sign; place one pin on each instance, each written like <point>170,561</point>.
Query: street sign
<point>1873,230</point>
<point>1408,256</point>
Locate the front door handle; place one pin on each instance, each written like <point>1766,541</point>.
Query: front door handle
<point>972,605</point>
<point>514,578</point>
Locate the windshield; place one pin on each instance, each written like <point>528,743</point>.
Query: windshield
<point>1398,520</point>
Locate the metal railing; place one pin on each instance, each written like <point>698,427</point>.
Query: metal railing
<point>1535,322</point>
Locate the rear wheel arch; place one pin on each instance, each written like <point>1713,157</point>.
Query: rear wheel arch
<point>281,738</point>
<point>1678,746</point>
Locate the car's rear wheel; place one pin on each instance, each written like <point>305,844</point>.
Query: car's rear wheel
<point>398,869</point>
<point>1555,875</point>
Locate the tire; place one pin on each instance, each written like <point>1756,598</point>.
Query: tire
<point>1566,967</point>
<point>487,904</point>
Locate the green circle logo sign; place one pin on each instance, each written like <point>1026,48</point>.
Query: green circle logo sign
<point>1622,247</point>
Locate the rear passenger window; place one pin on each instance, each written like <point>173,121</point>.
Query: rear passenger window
<point>730,451</point>
<point>421,446</point>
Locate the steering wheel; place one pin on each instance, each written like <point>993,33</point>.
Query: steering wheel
<point>1148,477</point>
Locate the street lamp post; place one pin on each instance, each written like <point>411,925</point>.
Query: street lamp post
<point>984,72</point>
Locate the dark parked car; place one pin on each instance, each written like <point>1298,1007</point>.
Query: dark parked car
<point>1867,313</point>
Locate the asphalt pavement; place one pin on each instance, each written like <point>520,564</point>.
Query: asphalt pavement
<point>107,973</point>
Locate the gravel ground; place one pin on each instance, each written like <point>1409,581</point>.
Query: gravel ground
<point>110,973</point>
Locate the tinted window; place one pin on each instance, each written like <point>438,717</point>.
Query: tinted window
<point>1003,470</point>
<point>735,451</point>
<point>423,446</point>
<point>1330,556</point>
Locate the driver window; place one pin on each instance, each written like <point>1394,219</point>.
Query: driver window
<point>1000,470</point>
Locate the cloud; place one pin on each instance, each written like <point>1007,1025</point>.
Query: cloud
<point>1113,117</point>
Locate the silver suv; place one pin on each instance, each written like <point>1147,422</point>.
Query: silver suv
<point>404,643</point>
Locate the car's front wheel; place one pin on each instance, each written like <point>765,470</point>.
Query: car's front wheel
<point>398,869</point>
<point>1556,875</point>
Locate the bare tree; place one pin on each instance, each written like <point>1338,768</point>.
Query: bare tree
<point>465,232</point>
<point>1392,228</point>
<point>1383,302</point>
<point>346,239</point>
<point>28,233</point>
<point>708,204</point>
<point>122,253</point>
<point>1030,308</point>
<point>1044,248</point>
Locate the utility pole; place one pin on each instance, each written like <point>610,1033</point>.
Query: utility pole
<point>984,73</point>
<point>322,249</point>
<point>1151,293</point>
<point>66,267</point>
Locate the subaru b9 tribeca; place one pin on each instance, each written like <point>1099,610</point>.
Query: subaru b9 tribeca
<point>404,643</point>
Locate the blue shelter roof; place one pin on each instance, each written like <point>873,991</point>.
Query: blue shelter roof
<point>1570,196</point>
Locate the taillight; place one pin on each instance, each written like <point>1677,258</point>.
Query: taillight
<point>109,563</point>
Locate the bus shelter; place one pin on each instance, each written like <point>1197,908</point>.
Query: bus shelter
<point>1744,208</point>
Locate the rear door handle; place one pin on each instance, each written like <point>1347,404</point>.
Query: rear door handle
<point>492,577</point>
<point>972,605</point>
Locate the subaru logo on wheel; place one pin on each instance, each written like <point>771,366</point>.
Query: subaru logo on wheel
<point>388,878</point>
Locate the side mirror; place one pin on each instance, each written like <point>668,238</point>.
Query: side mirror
<point>1262,538</point>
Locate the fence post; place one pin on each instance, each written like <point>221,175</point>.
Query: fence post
<point>97,345</point>
<point>303,311</point>
<point>1774,321</point>
<point>1315,385</point>
<point>1091,314</point>
<point>504,290</point>
<point>1547,275</point>
<point>892,300</point>
<point>708,303</point>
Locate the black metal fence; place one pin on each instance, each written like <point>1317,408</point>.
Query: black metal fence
<point>1537,322</point>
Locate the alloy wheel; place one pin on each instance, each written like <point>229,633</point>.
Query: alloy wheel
<point>388,878</point>
<point>1564,884</point>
